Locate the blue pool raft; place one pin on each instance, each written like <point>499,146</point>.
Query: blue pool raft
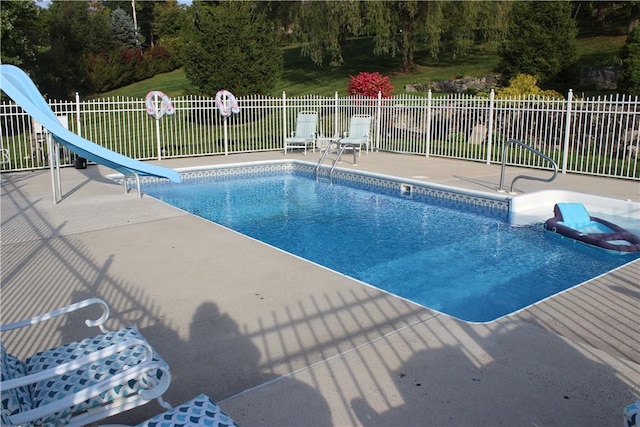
<point>572,220</point>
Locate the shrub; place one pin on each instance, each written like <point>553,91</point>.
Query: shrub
<point>629,80</point>
<point>369,84</point>
<point>123,66</point>
<point>525,84</point>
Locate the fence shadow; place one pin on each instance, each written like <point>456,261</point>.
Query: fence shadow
<point>43,269</point>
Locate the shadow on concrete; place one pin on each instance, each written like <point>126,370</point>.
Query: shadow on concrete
<point>330,352</point>
<point>48,270</point>
<point>502,379</point>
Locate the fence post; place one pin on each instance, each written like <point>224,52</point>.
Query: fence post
<point>157,120</point>
<point>78,129</point>
<point>426,153</point>
<point>378,113</point>
<point>567,128</point>
<point>284,116</point>
<point>492,95</point>
<point>335,117</point>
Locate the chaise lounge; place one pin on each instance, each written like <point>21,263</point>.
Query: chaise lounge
<point>305,133</point>
<point>83,381</point>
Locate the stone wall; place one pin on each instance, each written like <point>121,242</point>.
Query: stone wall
<point>462,85</point>
<point>604,78</point>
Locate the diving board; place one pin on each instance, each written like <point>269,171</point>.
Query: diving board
<point>19,87</point>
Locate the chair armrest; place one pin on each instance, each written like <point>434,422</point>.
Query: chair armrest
<point>102,386</point>
<point>64,310</point>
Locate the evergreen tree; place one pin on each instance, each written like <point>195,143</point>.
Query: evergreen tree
<point>540,41</point>
<point>231,46</point>
<point>629,80</point>
<point>123,28</point>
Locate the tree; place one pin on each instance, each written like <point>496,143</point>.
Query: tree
<point>394,24</point>
<point>123,29</point>
<point>231,46</point>
<point>62,69</point>
<point>540,41</point>
<point>22,34</point>
<point>169,20</point>
<point>629,79</point>
<point>397,26</point>
<point>325,25</point>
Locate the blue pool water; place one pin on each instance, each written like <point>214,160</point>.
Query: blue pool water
<point>466,262</point>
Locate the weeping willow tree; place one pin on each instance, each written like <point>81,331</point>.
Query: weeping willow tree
<point>398,27</point>
<point>452,28</point>
<point>394,25</point>
<point>325,25</point>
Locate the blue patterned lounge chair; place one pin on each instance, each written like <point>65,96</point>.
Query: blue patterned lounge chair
<point>305,133</point>
<point>200,411</point>
<point>80,382</point>
<point>631,414</point>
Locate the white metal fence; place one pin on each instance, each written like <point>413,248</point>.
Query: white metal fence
<point>598,136</point>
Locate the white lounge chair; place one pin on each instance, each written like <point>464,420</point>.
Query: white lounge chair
<point>5,158</point>
<point>305,133</point>
<point>357,135</point>
<point>81,382</point>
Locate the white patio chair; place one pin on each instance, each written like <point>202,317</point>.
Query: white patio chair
<point>305,133</point>
<point>357,135</point>
<point>5,158</point>
<point>80,382</point>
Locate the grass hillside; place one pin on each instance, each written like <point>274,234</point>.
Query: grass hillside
<point>302,77</point>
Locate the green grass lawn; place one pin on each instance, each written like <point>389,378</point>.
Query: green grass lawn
<point>302,77</point>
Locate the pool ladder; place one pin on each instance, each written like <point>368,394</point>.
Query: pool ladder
<point>338,149</point>
<point>533,178</point>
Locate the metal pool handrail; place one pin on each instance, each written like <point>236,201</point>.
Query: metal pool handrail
<point>533,178</point>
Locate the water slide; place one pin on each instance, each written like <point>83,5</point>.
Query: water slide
<point>19,87</point>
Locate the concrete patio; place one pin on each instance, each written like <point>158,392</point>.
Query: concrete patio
<point>279,341</point>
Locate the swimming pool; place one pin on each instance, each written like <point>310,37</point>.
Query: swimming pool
<point>451,252</point>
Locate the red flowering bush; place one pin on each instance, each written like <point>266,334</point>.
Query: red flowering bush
<point>369,84</point>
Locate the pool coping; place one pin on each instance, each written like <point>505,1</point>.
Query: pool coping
<point>522,210</point>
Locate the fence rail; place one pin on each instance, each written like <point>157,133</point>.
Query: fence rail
<point>596,136</point>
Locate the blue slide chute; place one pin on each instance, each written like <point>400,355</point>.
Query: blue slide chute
<point>19,87</point>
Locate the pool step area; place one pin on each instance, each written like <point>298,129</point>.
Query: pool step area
<point>334,146</point>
